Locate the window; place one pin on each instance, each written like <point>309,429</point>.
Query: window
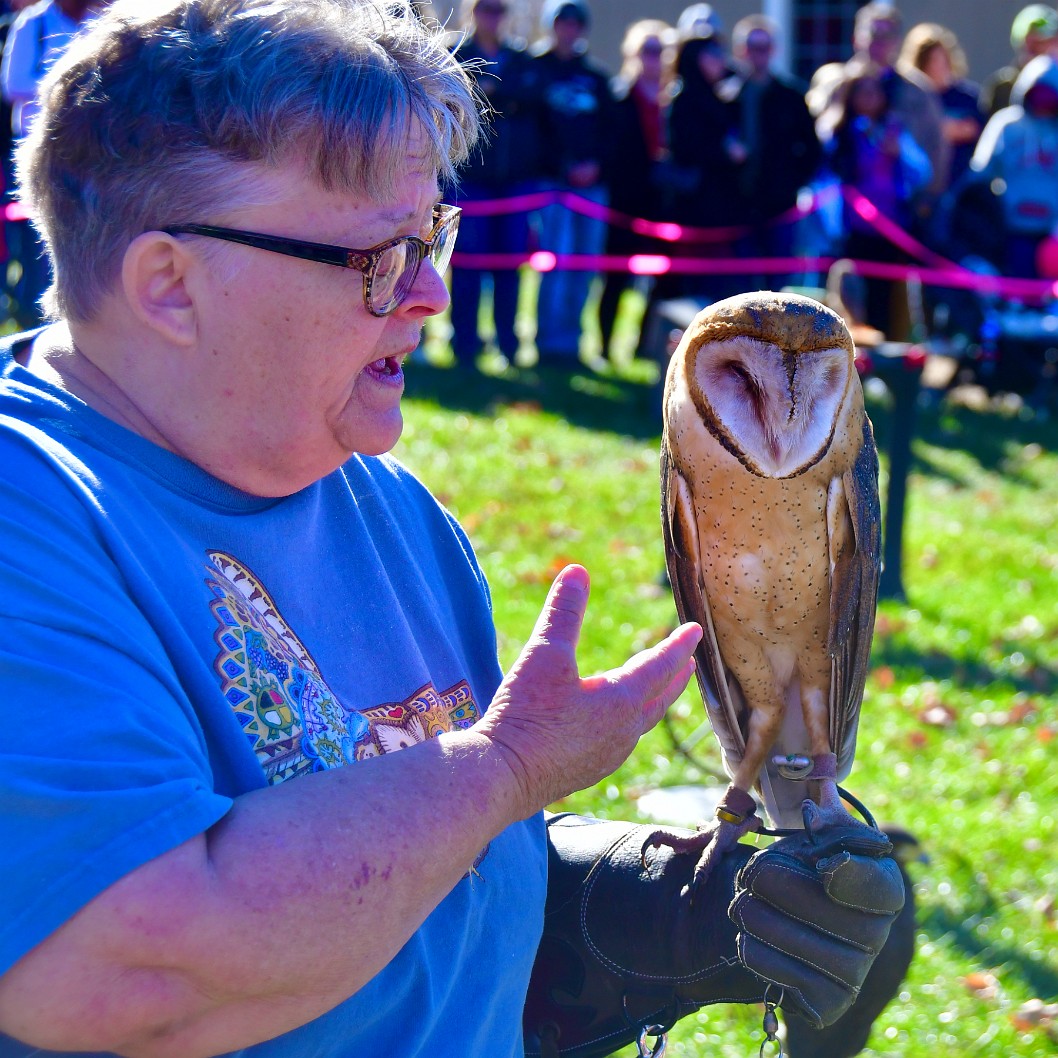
<point>822,33</point>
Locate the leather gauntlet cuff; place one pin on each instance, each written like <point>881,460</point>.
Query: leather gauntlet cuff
<point>624,944</point>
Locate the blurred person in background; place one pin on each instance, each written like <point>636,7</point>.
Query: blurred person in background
<point>935,51</point>
<point>576,111</point>
<point>910,95</point>
<point>9,11</point>
<point>870,149</point>
<point>1018,154</point>
<point>704,147</point>
<point>641,94</point>
<point>778,151</point>
<point>504,164</point>
<point>39,34</point>
<point>1033,32</point>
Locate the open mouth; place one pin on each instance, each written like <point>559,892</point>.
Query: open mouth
<point>387,368</point>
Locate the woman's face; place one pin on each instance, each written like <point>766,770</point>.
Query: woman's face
<point>650,55</point>
<point>937,67</point>
<point>867,98</point>
<point>711,64</point>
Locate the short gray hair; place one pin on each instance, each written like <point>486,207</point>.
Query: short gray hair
<point>161,111</point>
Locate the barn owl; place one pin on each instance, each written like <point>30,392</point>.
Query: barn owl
<point>769,480</point>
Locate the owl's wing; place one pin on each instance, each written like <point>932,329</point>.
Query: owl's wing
<point>854,533</point>
<point>723,704</point>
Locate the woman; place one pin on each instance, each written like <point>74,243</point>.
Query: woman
<point>705,153</point>
<point>640,93</point>
<point>935,52</point>
<point>870,149</point>
<point>505,166</point>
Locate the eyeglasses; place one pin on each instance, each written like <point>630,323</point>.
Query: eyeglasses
<point>390,268</point>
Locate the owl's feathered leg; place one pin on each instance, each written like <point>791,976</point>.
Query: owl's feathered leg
<point>735,816</point>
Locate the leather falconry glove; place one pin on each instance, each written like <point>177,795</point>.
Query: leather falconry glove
<point>627,945</point>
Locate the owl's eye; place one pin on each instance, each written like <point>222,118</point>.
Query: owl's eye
<point>743,375</point>
<point>749,385</point>
<point>747,380</point>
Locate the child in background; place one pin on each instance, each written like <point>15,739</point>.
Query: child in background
<point>869,149</point>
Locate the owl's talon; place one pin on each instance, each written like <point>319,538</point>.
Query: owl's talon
<point>723,837</point>
<point>679,843</point>
<point>829,812</point>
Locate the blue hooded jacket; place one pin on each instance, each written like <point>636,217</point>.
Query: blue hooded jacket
<point>1019,147</point>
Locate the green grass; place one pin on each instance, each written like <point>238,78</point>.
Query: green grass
<point>959,730</point>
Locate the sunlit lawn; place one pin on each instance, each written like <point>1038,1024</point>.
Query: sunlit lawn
<point>959,731</point>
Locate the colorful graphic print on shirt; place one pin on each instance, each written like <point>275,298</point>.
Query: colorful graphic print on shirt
<point>276,691</point>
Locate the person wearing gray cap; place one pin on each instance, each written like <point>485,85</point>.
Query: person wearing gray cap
<point>698,20</point>
<point>1033,32</point>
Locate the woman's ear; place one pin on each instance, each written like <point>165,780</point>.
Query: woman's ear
<point>154,276</point>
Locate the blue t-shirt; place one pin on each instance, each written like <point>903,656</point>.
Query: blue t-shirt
<point>168,643</point>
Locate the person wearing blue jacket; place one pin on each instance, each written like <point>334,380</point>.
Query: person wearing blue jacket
<point>1019,148</point>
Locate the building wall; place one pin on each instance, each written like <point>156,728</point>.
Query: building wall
<point>983,26</point>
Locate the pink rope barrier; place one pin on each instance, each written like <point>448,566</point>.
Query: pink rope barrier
<point>659,264</point>
<point>15,211</point>
<point>889,229</point>
<point>666,231</point>
<point>933,268</point>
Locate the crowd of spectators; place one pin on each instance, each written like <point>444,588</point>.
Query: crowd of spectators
<point>700,129</point>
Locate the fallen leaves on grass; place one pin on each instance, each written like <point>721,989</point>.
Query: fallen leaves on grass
<point>1037,1016</point>
<point>982,985</point>
<point>1018,713</point>
<point>935,711</point>
<point>1047,906</point>
<point>884,677</point>
<point>888,625</point>
<point>937,714</point>
<point>1023,710</point>
<point>472,521</point>
<point>1032,1016</point>
<point>548,573</point>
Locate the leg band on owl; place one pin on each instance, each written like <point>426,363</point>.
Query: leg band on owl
<point>825,766</point>
<point>735,806</point>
